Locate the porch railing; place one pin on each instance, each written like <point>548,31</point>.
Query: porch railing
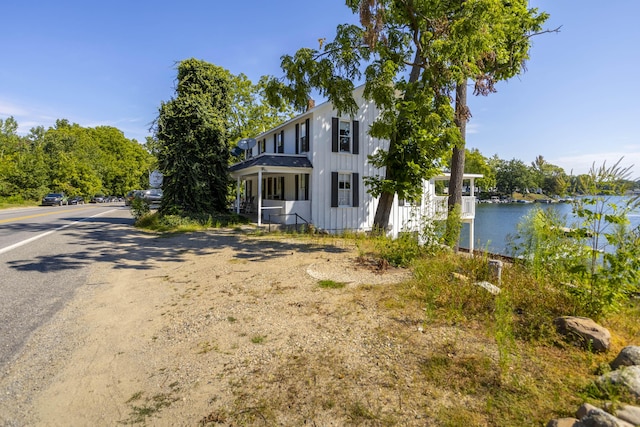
<point>441,208</point>
<point>297,225</point>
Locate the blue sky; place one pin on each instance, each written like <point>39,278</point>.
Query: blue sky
<point>112,63</point>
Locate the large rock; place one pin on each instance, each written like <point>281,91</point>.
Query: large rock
<point>627,376</point>
<point>628,356</point>
<point>584,330</point>
<point>628,413</point>
<point>591,416</point>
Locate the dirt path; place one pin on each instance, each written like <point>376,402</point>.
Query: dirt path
<point>236,333</point>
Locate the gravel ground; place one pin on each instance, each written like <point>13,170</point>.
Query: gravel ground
<point>237,332</point>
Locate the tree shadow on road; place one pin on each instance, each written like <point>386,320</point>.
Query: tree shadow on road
<point>114,240</point>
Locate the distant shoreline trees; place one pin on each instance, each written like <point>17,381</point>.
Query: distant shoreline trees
<point>69,158</point>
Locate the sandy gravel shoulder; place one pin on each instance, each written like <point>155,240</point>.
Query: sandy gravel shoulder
<point>220,328</point>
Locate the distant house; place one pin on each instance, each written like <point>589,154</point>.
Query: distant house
<point>313,166</point>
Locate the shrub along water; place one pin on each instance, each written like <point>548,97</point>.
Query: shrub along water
<point>597,259</point>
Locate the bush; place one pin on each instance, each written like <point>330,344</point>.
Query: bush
<point>139,208</point>
<point>599,257</point>
<point>399,252</point>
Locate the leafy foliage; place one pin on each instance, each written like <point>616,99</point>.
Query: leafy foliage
<point>69,158</point>
<point>514,175</point>
<point>192,140</point>
<point>599,256</point>
<point>611,270</point>
<point>411,55</point>
<point>250,114</point>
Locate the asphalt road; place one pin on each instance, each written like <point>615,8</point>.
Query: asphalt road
<point>45,255</point>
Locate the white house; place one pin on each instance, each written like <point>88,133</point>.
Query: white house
<point>311,168</point>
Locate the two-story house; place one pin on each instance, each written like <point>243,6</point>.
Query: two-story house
<point>313,166</point>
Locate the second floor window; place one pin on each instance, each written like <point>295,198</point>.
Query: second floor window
<point>278,142</point>
<point>344,136</point>
<point>304,140</point>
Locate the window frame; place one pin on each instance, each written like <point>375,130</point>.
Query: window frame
<point>304,137</point>
<point>343,192</point>
<point>345,136</point>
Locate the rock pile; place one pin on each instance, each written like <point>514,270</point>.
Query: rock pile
<point>625,374</point>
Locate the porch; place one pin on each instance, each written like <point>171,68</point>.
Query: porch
<point>275,187</point>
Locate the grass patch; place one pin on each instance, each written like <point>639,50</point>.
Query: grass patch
<point>149,406</point>
<point>258,339</point>
<point>16,202</point>
<point>330,284</point>
<point>206,347</point>
<point>153,221</point>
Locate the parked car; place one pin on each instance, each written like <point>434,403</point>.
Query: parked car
<point>153,196</point>
<point>55,199</point>
<point>77,200</point>
<point>98,198</point>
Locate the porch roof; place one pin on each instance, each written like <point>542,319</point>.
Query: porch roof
<point>274,162</point>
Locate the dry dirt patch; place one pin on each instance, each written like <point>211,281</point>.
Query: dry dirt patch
<point>233,330</point>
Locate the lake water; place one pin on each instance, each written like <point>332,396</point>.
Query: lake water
<point>495,221</point>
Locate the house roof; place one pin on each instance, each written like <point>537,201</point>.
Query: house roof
<point>358,91</point>
<point>273,160</point>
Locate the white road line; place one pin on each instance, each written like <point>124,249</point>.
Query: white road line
<point>39,236</point>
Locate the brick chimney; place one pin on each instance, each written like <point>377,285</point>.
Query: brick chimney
<point>310,104</point>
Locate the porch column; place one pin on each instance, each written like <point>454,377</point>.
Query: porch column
<point>259,197</point>
<point>238,195</point>
<point>471,191</point>
<point>471,234</point>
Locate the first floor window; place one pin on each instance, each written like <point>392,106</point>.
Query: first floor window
<point>273,188</point>
<point>344,189</point>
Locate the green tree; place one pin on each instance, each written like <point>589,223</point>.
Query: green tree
<point>69,158</point>
<point>124,163</point>
<point>476,163</point>
<point>192,140</point>
<point>550,178</point>
<point>514,175</point>
<point>415,54</point>
<point>250,114</point>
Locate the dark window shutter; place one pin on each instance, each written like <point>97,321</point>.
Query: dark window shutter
<point>297,184</point>
<point>306,186</point>
<point>356,137</point>
<point>334,189</point>
<point>334,134</point>
<point>355,186</point>
<point>281,147</point>
<point>308,139</point>
<point>282,188</point>
<point>297,139</point>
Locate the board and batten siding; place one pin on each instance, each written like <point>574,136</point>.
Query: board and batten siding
<point>325,162</point>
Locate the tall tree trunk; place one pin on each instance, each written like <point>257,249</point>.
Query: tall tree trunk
<point>381,218</point>
<point>383,211</point>
<point>457,168</point>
